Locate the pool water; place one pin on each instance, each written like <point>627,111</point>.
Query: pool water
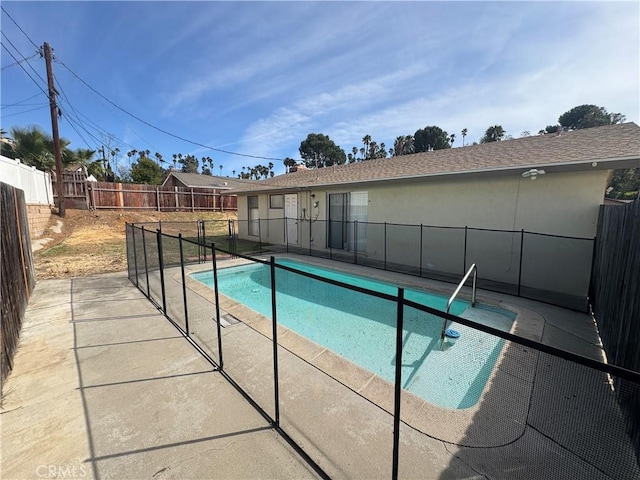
<point>361,327</point>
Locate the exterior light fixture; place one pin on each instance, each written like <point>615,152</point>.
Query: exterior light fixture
<point>533,173</point>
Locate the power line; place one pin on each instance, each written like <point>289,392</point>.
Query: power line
<point>77,121</point>
<point>25,111</point>
<point>20,28</point>
<point>20,61</point>
<point>21,101</point>
<point>162,130</point>
<point>25,71</point>
<point>23,57</point>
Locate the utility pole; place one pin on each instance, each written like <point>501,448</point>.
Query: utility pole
<point>54,128</point>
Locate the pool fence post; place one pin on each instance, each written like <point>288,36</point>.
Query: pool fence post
<point>184,286</point>
<point>203,245</point>
<point>385,245</point>
<point>260,236</point>
<point>420,267</point>
<point>161,266</point>
<point>355,242</point>
<point>146,267</point>
<point>199,235</point>
<point>328,230</point>
<point>464,261</point>
<point>230,241</point>
<point>520,264</point>
<point>275,341</point>
<point>135,253</point>
<point>217,303</point>
<point>286,233</point>
<point>310,253</point>
<point>398,383</point>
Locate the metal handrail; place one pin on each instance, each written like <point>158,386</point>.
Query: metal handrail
<point>473,269</point>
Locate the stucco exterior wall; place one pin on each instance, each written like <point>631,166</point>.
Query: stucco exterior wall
<point>564,204</point>
<point>558,204</point>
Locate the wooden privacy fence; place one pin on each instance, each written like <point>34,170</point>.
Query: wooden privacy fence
<point>131,196</point>
<point>615,297</point>
<point>75,190</point>
<point>17,273</point>
<point>107,195</point>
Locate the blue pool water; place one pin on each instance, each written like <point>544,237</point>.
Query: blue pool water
<point>361,328</point>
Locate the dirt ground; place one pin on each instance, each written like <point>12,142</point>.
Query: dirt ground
<point>92,242</point>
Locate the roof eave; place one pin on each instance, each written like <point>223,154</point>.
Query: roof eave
<point>552,167</point>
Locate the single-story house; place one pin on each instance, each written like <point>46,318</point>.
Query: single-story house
<point>176,178</point>
<point>549,184</point>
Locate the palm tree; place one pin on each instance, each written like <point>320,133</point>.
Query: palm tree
<point>34,147</point>
<point>452,138</point>
<point>220,167</point>
<point>403,145</point>
<point>464,134</point>
<point>6,144</point>
<point>366,140</point>
<point>493,134</point>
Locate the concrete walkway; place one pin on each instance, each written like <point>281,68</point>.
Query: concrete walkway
<point>104,387</point>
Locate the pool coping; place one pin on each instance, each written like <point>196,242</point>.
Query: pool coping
<point>501,409</point>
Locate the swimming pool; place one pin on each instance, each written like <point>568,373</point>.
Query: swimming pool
<point>361,327</point>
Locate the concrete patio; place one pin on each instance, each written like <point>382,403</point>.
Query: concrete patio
<point>105,387</point>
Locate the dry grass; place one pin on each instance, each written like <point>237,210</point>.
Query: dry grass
<point>93,242</point>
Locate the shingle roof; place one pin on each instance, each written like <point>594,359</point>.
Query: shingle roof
<point>210,181</point>
<point>580,147</point>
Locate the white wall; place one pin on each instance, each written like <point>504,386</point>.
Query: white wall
<point>36,184</point>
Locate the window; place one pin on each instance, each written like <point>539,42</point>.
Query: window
<point>276,201</point>
<point>254,218</point>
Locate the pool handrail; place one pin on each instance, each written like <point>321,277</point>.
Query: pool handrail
<point>472,269</point>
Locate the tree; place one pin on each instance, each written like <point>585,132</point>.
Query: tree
<point>318,150</point>
<point>430,138</point>
<point>147,171</point>
<point>189,163</point>
<point>34,147</point>
<point>493,134</point>
<point>83,157</point>
<point>464,134</point>
<point>366,140</point>
<point>6,144</point>
<point>548,129</point>
<point>625,184</point>
<point>288,163</point>
<point>587,116</point>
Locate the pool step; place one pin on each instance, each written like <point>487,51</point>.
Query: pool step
<point>488,317</point>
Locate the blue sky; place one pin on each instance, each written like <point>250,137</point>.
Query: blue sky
<point>257,77</point>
